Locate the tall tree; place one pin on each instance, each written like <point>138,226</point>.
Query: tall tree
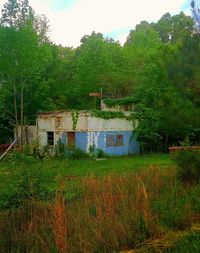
<point>96,65</point>
<point>174,28</point>
<point>16,13</point>
<point>22,55</point>
<point>196,13</point>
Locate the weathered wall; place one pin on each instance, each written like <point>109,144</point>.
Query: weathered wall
<point>61,122</point>
<point>29,134</point>
<point>98,139</point>
<point>117,124</point>
<point>90,131</point>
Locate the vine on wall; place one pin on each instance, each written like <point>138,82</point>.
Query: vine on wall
<point>75,116</point>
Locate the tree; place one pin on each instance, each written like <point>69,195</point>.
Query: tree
<point>174,28</point>
<point>16,13</point>
<point>59,75</point>
<point>144,36</point>
<point>196,14</point>
<point>97,61</point>
<point>23,56</point>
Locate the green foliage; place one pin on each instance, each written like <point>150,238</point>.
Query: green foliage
<point>16,13</point>
<point>60,149</point>
<point>189,243</point>
<point>108,114</point>
<point>188,162</point>
<point>196,13</point>
<point>119,101</point>
<point>28,184</point>
<point>77,153</point>
<point>96,152</point>
<point>74,119</point>
<point>157,70</point>
<point>174,28</point>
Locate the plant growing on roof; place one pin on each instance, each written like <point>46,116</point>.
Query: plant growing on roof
<point>75,116</point>
<point>119,101</point>
<point>107,114</point>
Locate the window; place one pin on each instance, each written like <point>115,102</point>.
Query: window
<point>114,140</point>
<point>110,140</point>
<point>119,140</point>
<point>50,138</point>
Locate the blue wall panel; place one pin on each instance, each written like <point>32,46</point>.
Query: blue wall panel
<point>81,140</point>
<point>130,144</point>
<point>134,146</point>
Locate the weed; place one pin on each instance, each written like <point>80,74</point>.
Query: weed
<point>188,162</point>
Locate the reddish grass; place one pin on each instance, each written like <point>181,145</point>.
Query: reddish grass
<point>113,213</point>
<point>60,223</point>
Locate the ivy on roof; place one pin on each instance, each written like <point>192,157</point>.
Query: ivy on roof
<point>108,114</point>
<point>119,101</point>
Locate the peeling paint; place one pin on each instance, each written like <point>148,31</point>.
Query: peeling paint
<point>90,131</point>
<point>92,139</point>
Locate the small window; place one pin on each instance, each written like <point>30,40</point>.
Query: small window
<point>119,140</point>
<point>50,138</point>
<point>110,140</point>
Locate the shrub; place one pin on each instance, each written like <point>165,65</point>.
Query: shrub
<point>101,153</point>
<point>77,153</point>
<point>28,184</point>
<point>188,162</point>
<point>96,152</point>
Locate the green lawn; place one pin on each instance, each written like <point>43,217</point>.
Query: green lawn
<point>84,167</point>
<point>49,173</point>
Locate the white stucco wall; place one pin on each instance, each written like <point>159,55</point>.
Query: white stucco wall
<point>117,124</point>
<point>60,122</point>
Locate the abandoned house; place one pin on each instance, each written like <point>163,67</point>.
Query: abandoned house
<point>85,129</point>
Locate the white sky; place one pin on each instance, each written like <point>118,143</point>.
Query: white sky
<point>70,20</point>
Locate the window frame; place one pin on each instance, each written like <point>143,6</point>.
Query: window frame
<point>50,139</point>
<point>118,142</point>
<point>114,140</point>
<point>108,139</point>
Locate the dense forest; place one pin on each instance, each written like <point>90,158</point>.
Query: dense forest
<point>158,68</point>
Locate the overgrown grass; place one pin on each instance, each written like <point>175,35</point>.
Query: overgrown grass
<point>84,167</point>
<point>98,206</point>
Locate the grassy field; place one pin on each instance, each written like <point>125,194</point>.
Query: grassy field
<point>83,167</point>
<point>90,205</point>
<point>56,169</point>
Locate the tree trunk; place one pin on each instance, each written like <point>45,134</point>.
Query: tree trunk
<point>15,109</point>
<point>22,116</point>
<point>166,142</point>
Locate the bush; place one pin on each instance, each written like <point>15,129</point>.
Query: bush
<point>28,183</point>
<point>77,153</point>
<point>96,152</point>
<point>100,153</point>
<point>188,162</point>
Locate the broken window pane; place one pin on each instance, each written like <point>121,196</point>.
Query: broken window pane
<point>119,140</point>
<point>110,140</point>
<point>50,138</point>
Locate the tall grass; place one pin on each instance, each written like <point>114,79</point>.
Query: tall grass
<point>109,214</point>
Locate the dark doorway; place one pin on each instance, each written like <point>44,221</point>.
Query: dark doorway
<point>50,138</point>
